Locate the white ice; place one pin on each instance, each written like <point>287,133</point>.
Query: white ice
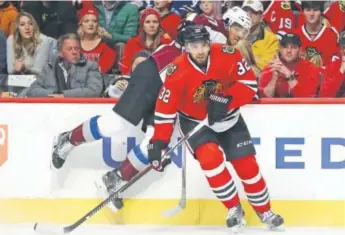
<point>27,229</point>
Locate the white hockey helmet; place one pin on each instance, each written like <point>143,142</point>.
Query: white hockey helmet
<point>237,15</point>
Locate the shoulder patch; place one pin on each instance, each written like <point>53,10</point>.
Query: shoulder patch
<point>228,50</point>
<point>171,69</point>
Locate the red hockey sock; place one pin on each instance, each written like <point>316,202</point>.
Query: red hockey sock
<point>212,162</point>
<point>127,170</point>
<point>77,136</point>
<point>253,182</point>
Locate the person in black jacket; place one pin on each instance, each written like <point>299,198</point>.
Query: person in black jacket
<point>54,18</point>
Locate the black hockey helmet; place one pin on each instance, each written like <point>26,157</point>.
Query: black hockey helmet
<point>181,28</point>
<point>193,33</point>
<point>313,5</point>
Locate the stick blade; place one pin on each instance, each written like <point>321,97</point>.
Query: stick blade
<point>48,229</point>
<point>172,212</point>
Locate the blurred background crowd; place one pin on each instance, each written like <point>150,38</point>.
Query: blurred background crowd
<point>84,48</point>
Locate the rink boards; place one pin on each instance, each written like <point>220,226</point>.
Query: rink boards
<point>301,151</point>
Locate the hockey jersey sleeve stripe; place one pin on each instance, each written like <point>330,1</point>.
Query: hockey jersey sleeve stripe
<point>251,84</point>
<point>165,116</point>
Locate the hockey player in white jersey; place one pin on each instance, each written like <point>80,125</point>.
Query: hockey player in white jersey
<point>135,105</point>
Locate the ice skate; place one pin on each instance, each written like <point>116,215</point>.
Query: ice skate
<point>109,183</point>
<point>235,219</point>
<point>273,221</point>
<point>61,148</point>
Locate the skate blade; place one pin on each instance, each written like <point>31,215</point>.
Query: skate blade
<point>103,193</point>
<point>280,228</point>
<point>239,228</point>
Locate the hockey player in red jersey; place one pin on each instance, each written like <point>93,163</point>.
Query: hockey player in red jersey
<point>136,104</point>
<point>200,84</point>
<point>319,42</point>
<point>333,84</point>
<point>279,16</point>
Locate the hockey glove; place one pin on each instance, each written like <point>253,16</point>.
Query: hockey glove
<point>155,150</point>
<point>217,107</point>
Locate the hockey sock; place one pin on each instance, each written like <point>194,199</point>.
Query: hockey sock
<point>253,182</point>
<point>212,161</point>
<point>88,131</point>
<point>137,158</point>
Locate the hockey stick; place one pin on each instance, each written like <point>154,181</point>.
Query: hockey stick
<point>51,229</point>
<point>182,202</point>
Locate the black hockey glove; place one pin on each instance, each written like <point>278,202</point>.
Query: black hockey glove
<point>217,107</point>
<point>154,151</point>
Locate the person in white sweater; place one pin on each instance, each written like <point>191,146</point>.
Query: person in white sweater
<point>27,49</point>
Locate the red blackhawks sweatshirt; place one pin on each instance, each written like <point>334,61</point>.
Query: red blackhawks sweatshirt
<point>103,54</point>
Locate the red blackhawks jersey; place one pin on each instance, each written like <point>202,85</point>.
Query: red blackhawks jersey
<point>186,89</point>
<point>322,45</point>
<point>335,13</point>
<point>279,16</point>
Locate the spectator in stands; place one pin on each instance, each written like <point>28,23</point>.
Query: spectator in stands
<point>72,75</point>
<point>8,14</point>
<point>3,67</point>
<point>335,14</point>
<point>169,20</point>
<point>118,19</point>
<point>279,16</point>
<point>93,45</point>
<point>27,49</point>
<point>265,43</point>
<point>319,42</point>
<point>149,38</point>
<point>118,87</point>
<point>54,18</point>
<point>334,79</point>
<point>185,7</point>
<point>246,50</point>
<point>209,18</point>
<point>288,75</point>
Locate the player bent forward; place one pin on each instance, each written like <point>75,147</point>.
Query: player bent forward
<point>214,80</point>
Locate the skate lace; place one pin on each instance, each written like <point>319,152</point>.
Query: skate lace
<point>65,148</point>
<point>267,216</point>
<point>233,211</point>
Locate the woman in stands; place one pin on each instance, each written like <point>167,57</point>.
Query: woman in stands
<point>149,38</point>
<point>27,48</point>
<point>93,45</point>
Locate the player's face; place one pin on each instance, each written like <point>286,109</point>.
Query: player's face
<point>206,7</point>
<point>236,33</point>
<point>89,24</point>
<point>199,51</point>
<point>290,52</point>
<point>151,25</point>
<point>256,17</point>
<point>312,15</point>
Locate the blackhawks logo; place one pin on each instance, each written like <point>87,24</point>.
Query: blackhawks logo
<point>228,50</point>
<point>285,5</point>
<point>171,69</point>
<point>314,56</point>
<point>207,88</point>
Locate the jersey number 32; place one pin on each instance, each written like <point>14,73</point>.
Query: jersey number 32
<point>164,95</point>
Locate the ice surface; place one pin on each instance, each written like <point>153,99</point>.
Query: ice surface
<point>27,229</point>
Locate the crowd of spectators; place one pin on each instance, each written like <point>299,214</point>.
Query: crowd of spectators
<point>80,48</point>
